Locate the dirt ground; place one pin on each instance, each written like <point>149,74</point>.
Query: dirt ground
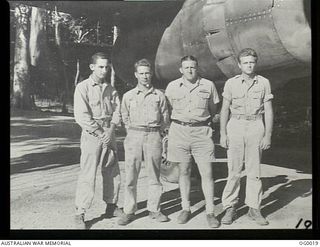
<point>45,162</point>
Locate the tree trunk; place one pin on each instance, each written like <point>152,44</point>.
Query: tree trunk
<point>65,93</point>
<point>21,76</point>
<point>115,36</point>
<point>37,35</point>
<point>76,79</point>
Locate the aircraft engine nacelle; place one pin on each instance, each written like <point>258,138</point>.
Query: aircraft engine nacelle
<point>214,31</point>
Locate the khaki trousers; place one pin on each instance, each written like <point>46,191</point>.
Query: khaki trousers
<point>92,157</point>
<point>244,140</point>
<point>139,144</point>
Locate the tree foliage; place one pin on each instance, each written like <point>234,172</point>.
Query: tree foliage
<point>80,37</point>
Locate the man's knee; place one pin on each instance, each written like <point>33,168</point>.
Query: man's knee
<point>185,169</point>
<point>205,170</point>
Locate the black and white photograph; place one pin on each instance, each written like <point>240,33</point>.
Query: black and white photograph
<point>161,115</point>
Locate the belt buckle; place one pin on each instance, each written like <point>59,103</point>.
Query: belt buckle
<point>250,118</point>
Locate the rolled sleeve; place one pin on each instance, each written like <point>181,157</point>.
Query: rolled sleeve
<point>116,118</point>
<point>215,96</point>
<point>82,112</point>
<point>268,95</point>
<point>227,91</point>
<point>169,99</point>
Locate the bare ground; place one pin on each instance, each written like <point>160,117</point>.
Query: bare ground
<point>45,162</point>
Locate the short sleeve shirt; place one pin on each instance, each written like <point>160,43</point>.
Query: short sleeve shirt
<point>244,99</point>
<point>191,104</point>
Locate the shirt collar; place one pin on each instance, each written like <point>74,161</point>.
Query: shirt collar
<point>93,82</point>
<point>255,79</point>
<point>151,90</point>
<point>182,81</point>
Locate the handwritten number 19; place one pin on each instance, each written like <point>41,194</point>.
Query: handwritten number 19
<point>307,223</point>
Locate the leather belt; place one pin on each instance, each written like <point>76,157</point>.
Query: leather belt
<point>246,117</point>
<point>145,129</point>
<point>196,124</point>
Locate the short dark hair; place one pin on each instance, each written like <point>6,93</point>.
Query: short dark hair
<point>99,55</point>
<point>247,52</point>
<point>142,62</point>
<point>189,58</point>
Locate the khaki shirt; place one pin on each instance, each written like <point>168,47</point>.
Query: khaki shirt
<point>244,99</point>
<point>93,103</point>
<point>139,109</point>
<point>192,104</point>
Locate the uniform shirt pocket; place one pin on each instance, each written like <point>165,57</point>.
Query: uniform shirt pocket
<point>95,107</point>
<point>238,99</point>
<point>178,102</point>
<point>133,111</point>
<point>256,98</point>
<point>203,98</point>
<point>153,111</point>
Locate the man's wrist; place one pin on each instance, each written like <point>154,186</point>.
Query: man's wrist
<point>98,132</point>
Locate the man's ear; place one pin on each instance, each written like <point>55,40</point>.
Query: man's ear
<point>91,66</point>
<point>180,69</point>
<point>239,65</point>
<point>136,74</point>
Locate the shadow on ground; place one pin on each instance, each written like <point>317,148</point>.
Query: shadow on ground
<point>44,161</point>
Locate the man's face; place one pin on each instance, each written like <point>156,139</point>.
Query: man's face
<point>189,70</point>
<point>144,75</point>
<point>247,64</point>
<point>100,68</point>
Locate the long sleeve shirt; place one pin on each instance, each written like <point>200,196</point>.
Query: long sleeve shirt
<point>139,109</point>
<point>94,102</point>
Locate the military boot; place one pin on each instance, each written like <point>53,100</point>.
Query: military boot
<point>255,215</point>
<point>229,216</point>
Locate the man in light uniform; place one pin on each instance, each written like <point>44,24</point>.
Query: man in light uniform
<point>145,114</point>
<point>97,111</point>
<point>248,96</point>
<point>193,102</point>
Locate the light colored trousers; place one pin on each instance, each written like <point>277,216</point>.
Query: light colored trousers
<point>138,144</point>
<point>244,140</point>
<point>92,157</point>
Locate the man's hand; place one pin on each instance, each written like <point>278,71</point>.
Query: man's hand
<point>105,139</point>
<point>265,142</point>
<point>216,119</point>
<point>224,141</point>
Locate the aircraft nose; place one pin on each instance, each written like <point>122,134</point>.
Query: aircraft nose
<point>291,20</point>
<point>169,53</point>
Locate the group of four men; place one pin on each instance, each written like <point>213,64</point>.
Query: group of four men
<point>187,107</point>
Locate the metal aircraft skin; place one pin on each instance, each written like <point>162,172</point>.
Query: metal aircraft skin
<point>214,31</point>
